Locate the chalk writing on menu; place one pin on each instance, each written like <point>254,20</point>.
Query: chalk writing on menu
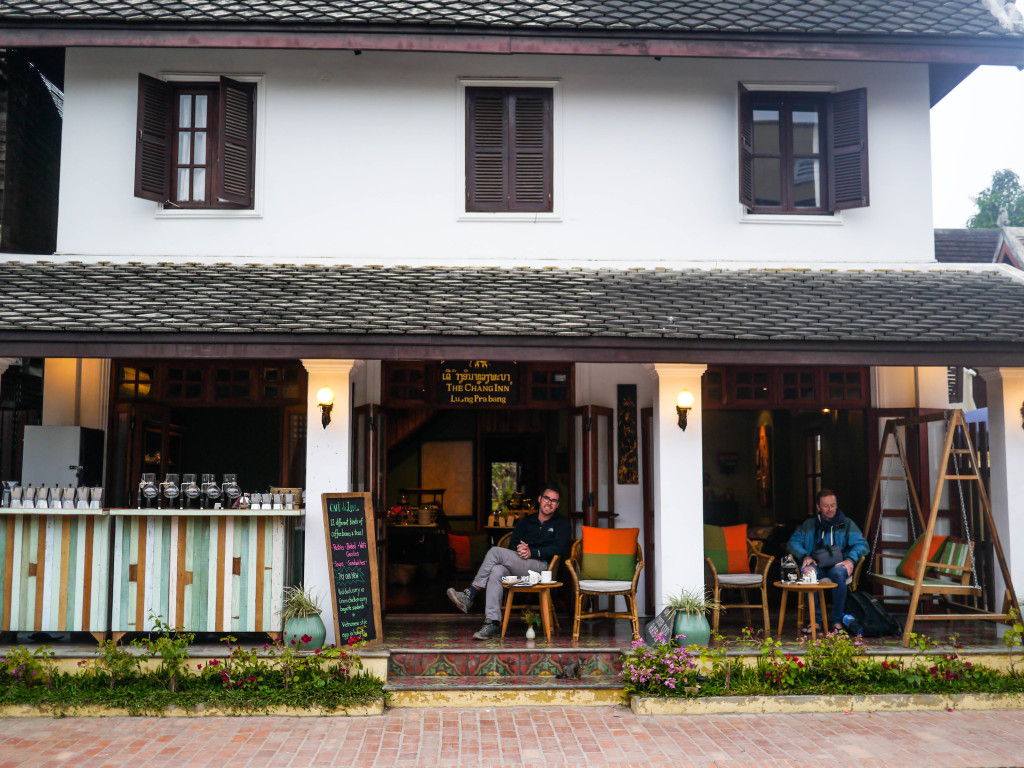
<point>353,558</point>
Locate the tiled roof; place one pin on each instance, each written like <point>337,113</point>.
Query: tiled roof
<point>929,305</point>
<point>830,17</point>
<point>962,246</point>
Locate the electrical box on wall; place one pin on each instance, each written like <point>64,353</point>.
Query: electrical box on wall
<point>62,456</point>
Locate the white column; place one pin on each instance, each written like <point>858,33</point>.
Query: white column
<point>1006,450</point>
<point>678,482</point>
<point>328,468</point>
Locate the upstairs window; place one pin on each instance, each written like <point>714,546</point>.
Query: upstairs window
<point>803,153</point>
<point>194,143</point>
<point>509,165</point>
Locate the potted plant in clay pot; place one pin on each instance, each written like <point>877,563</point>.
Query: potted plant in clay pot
<point>691,607</point>
<point>300,612</point>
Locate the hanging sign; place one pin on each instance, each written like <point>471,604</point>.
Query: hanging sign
<point>352,560</point>
<point>477,383</point>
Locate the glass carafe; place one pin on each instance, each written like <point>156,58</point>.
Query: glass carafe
<point>230,490</point>
<point>148,490</point>
<point>170,490</point>
<point>210,489</point>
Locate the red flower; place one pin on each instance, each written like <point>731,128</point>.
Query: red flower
<point>306,639</point>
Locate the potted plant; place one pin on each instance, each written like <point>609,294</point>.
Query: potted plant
<point>532,620</point>
<point>691,607</point>
<point>300,612</point>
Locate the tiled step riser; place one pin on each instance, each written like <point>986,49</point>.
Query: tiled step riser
<point>510,664</point>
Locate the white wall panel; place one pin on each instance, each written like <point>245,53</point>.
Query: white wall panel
<point>360,162</point>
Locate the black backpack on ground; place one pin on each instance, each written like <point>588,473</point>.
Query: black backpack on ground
<point>874,620</point>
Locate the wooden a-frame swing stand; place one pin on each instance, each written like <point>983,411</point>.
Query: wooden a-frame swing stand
<point>942,580</point>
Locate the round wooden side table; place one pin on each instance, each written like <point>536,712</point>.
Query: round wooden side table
<point>547,608</point>
<point>810,589</point>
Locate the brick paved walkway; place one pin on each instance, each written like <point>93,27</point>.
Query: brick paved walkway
<point>546,737</point>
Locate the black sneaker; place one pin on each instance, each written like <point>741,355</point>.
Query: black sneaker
<point>461,600</point>
<point>488,630</point>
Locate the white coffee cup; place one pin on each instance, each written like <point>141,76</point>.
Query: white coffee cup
<point>545,577</point>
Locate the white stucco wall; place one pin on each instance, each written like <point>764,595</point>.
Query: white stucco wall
<point>361,160</point>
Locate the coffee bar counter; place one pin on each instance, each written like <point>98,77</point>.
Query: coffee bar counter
<point>116,570</point>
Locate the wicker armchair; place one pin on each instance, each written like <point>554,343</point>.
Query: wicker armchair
<point>586,589</point>
<point>756,579</point>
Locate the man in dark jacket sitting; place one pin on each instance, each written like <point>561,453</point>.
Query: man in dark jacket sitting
<point>535,540</point>
<point>832,544</point>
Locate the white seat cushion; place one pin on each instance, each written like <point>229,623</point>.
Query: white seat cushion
<point>599,585</point>
<point>739,579</point>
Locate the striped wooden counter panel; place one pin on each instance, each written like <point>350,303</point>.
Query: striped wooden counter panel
<point>201,573</point>
<point>55,570</point>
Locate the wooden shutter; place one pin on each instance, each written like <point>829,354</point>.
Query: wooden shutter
<point>486,139</point>
<point>530,150</point>
<point>848,149</point>
<point>237,142</point>
<point>746,149</point>
<point>509,149</point>
<point>153,140</point>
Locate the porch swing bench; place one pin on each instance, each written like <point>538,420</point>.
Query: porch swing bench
<point>948,575</point>
<point>942,572</point>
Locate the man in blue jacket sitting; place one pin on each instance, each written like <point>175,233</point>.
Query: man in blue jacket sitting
<point>832,544</point>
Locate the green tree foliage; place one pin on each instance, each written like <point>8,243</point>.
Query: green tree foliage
<point>1005,192</point>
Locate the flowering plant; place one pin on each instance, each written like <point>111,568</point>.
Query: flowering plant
<point>660,670</point>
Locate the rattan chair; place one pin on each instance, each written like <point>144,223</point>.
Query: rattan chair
<point>756,579</point>
<point>588,589</point>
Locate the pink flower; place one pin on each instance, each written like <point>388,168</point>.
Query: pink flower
<point>306,639</point>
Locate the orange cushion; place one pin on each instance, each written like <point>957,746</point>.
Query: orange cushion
<point>460,546</point>
<point>908,565</point>
<point>609,553</point>
<point>727,548</point>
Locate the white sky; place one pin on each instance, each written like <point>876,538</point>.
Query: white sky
<point>976,130</point>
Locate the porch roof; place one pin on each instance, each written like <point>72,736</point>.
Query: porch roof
<point>928,314</point>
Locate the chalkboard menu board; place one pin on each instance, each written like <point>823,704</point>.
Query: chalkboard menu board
<point>352,557</point>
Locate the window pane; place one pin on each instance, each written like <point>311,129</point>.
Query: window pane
<point>183,179</point>
<point>767,181</point>
<point>200,156</point>
<point>199,185</point>
<point>201,111</point>
<point>806,183</point>
<point>184,111</point>
<point>805,131</point>
<point>766,130</point>
<point>184,148</point>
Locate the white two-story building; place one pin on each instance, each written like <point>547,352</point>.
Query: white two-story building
<point>606,203</point>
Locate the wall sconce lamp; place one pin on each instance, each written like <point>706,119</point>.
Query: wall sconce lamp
<point>1022,415</point>
<point>683,405</point>
<point>325,401</point>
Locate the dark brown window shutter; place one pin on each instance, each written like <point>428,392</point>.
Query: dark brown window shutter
<point>237,142</point>
<point>530,150</point>
<point>509,149</point>
<point>848,149</point>
<point>153,140</point>
<point>486,139</point>
<point>746,149</point>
